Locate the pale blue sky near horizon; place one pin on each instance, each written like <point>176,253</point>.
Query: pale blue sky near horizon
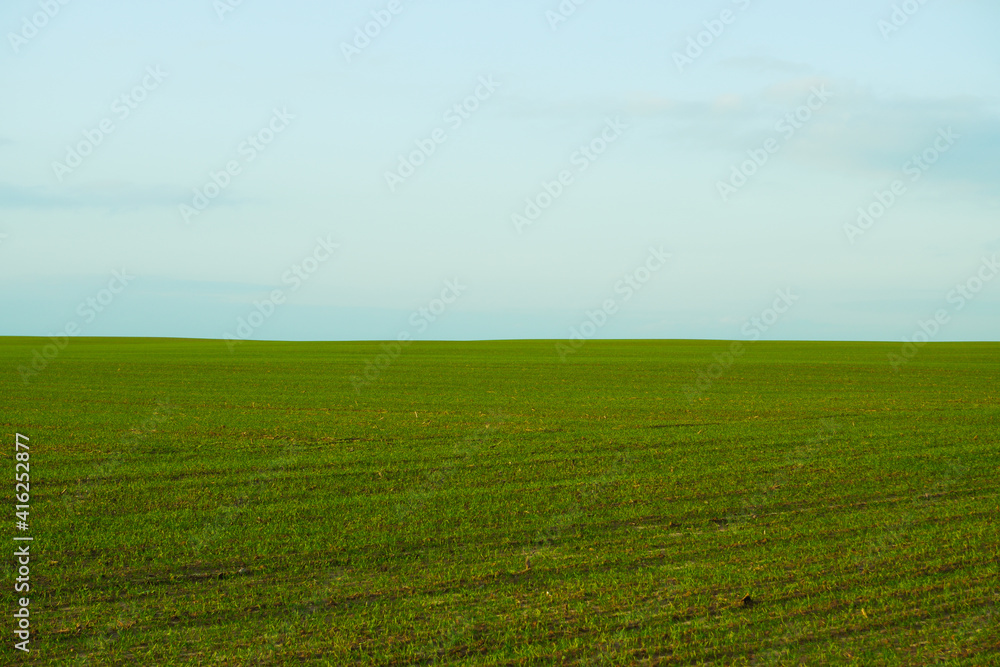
<point>339,124</point>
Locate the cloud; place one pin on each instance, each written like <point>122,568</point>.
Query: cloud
<point>222,292</point>
<point>766,64</point>
<point>866,132</point>
<point>858,131</point>
<point>115,196</point>
<point>667,107</point>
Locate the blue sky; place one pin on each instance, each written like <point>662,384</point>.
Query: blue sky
<point>203,84</point>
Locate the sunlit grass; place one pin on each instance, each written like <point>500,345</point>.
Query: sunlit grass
<point>488,503</point>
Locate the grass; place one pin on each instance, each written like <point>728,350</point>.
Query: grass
<point>489,504</point>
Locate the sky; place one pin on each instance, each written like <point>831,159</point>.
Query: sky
<point>470,170</point>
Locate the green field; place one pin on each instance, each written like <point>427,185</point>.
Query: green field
<point>488,503</point>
